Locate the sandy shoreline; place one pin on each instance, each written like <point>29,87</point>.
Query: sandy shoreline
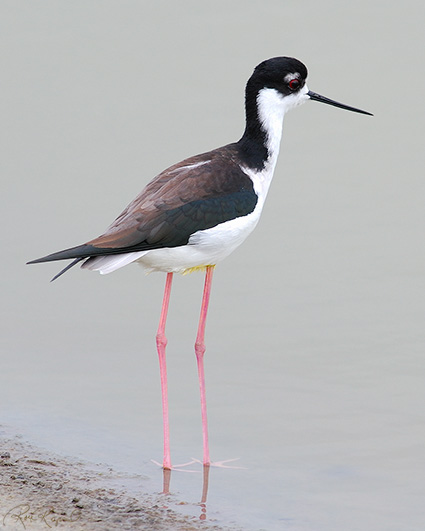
<point>40,490</point>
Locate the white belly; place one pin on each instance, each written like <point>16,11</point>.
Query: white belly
<point>205,247</point>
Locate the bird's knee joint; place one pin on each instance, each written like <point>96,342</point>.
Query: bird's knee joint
<point>199,349</point>
<point>161,340</point>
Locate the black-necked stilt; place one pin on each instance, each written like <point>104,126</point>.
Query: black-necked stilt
<point>198,211</point>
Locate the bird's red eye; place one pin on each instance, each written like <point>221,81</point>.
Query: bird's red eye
<point>294,84</point>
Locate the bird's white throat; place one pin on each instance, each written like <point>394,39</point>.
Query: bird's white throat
<point>272,106</point>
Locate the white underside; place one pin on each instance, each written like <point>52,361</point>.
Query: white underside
<point>205,247</point>
<point>210,246</point>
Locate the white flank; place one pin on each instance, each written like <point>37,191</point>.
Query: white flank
<point>107,264</point>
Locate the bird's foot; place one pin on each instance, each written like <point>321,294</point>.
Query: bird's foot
<point>220,464</point>
<point>179,468</point>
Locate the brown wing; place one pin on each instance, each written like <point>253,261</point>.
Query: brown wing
<point>192,195</point>
<point>195,194</point>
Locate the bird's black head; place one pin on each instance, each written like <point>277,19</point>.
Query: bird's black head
<point>284,74</point>
<point>288,77</point>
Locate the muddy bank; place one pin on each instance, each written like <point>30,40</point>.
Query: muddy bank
<point>40,490</point>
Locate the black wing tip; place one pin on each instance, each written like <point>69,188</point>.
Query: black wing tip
<point>80,252</point>
<point>48,259</point>
<point>65,269</point>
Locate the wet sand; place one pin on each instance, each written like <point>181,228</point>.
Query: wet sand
<point>40,490</point>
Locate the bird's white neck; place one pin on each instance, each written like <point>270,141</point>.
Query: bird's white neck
<point>271,110</point>
<point>272,107</point>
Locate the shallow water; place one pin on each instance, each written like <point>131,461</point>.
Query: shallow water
<point>315,336</point>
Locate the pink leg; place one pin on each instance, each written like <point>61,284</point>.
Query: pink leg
<point>200,351</point>
<point>161,343</point>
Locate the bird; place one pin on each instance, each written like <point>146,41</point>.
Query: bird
<point>195,213</point>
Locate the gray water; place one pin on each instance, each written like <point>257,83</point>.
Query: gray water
<point>315,339</point>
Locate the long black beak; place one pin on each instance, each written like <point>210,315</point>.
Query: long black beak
<point>317,97</point>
